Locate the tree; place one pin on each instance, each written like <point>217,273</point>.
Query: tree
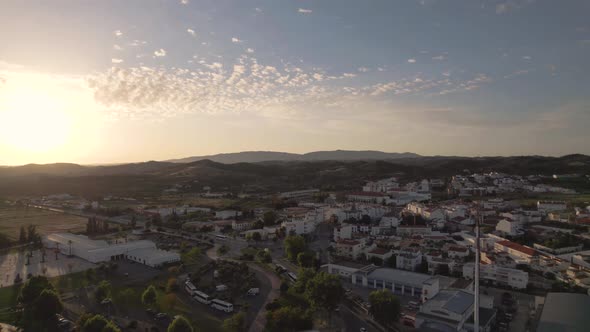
<point>33,288</point>
<point>222,250</point>
<point>303,277</point>
<point>289,319</point>
<point>423,267</point>
<point>32,235</point>
<point>22,235</point>
<point>103,291</point>
<point>270,218</point>
<point>126,297</point>
<point>324,291</point>
<point>47,305</point>
<point>180,324</point>
<point>235,323</point>
<point>391,261</point>
<point>305,259</point>
<point>385,307</point>
<point>376,260</point>
<point>263,256</point>
<point>171,285</point>
<point>149,296</point>
<point>97,323</point>
<point>256,237</point>
<point>443,269</point>
<point>294,244</point>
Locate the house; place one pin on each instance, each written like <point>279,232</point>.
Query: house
<point>349,248</point>
<point>299,226</point>
<point>409,230</point>
<point>343,232</point>
<point>384,185</point>
<point>299,194</point>
<point>389,220</point>
<point>509,227</point>
<point>242,225</point>
<point>518,252</point>
<point>457,251</point>
<point>497,275</point>
<point>380,253</point>
<point>408,260</point>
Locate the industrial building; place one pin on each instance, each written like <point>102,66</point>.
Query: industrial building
<point>420,285</point>
<point>95,251</point>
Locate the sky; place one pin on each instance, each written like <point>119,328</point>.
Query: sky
<point>116,81</point>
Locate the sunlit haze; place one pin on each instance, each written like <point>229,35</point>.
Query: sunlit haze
<point>122,81</point>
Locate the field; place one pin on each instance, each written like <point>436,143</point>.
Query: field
<point>13,217</point>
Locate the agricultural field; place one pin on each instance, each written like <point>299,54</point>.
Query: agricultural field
<point>13,217</point>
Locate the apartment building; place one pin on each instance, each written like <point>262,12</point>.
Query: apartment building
<point>498,275</point>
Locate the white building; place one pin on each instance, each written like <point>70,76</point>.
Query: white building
<point>227,214</point>
<point>408,260</point>
<point>509,227</point>
<point>409,230</point>
<point>548,206</point>
<point>299,226</point>
<point>421,286</point>
<point>242,225</point>
<point>94,251</point>
<point>389,220</point>
<point>368,197</point>
<point>384,185</point>
<point>498,275</point>
<point>519,253</point>
<point>349,248</point>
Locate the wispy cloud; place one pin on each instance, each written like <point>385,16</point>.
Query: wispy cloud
<point>250,50</point>
<point>363,69</point>
<point>439,57</point>
<point>304,11</point>
<point>116,60</point>
<point>191,32</point>
<point>117,47</point>
<point>518,73</point>
<point>160,53</point>
<point>510,5</point>
<point>184,2</point>
<point>118,33</point>
<point>138,42</point>
<point>527,57</point>
<point>258,10</point>
<point>236,40</point>
<point>412,60</point>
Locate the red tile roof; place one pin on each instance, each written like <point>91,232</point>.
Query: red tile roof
<point>348,242</point>
<point>518,247</point>
<point>379,251</point>
<point>457,249</point>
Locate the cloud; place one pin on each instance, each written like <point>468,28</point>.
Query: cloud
<point>518,73</point>
<point>250,50</point>
<point>527,57</point>
<point>118,33</point>
<point>412,60</point>
<point>349,75</point>
<point>258,10</point>
<point>236,40</point>
<point>363,69</point>
<point>510,5</point>
<point>439,57</point>
<point>116,60</point>
<point>191,32</point>
<point>184,2</point>
<point>117,47</point>
<point>138,42</point>
<point>160,53</point>
<point>304,11</point>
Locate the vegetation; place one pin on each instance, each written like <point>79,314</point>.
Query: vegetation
<point>180,324</point>
<point>324,291</point>
<point>289,319</point>
<point>385,307</point>
<point>103,291</point>
<point>235,323</point>
<point>96,323</point>
<point>294,244</point>
<point>149,296</point>
<point>40,304</point>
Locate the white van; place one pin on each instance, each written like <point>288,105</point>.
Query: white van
<point>253,291</point>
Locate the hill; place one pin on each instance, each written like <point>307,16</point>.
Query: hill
<point>261,156</point>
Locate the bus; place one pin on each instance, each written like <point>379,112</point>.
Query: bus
<point>222,305</point>
<point>202,297</point>
<point>221,237</point>
<point>190,288</point>
<point>292,276</point>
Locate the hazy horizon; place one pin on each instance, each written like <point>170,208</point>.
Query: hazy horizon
<point>129,81</point>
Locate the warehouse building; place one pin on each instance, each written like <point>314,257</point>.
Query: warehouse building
<point>95,251</point>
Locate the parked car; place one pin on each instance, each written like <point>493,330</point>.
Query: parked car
<point>253,291</point>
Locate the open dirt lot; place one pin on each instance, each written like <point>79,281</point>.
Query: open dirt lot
<point>13,217</point>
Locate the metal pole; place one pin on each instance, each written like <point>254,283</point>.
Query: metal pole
<point>476,277</point>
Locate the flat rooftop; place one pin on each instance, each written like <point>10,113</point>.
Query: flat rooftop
<point>565,312</point>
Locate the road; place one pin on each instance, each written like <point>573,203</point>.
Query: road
<point>524,304</point>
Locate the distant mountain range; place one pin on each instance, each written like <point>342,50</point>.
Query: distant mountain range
<point>261,156</point>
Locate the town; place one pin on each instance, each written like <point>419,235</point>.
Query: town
<point>395,255</point>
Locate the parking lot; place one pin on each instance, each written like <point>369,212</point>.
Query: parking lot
<point>518,307</point>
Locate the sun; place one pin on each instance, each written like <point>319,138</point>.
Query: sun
<point>33,120</point>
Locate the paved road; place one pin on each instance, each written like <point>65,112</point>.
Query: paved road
<point>524,303</point>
